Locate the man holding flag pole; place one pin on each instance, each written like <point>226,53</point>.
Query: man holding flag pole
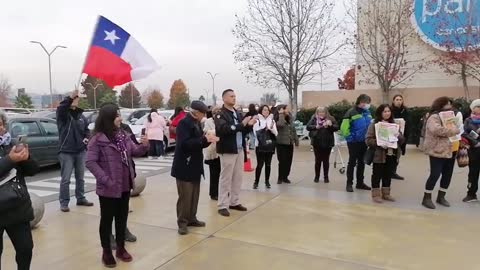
<point>116,58</point>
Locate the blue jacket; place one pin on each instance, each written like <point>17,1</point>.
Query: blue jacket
<point>355,125</point>
<point>72,128</point>
<point>188,160</point>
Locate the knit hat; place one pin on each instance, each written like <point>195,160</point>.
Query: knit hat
<point>475,103</point>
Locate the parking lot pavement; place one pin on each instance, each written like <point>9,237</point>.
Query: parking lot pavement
<point>47,183</point>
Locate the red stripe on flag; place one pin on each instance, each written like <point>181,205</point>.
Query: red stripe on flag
<point>105,65</point>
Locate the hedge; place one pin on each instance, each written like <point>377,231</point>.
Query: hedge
<point>338,110</point>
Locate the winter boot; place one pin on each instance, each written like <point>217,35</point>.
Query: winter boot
<point>108,259</point>
<point>386,194</point>
<point>427,201</point>
<point>122,253</point>
<point>441,199</point>
<point>377,195</point>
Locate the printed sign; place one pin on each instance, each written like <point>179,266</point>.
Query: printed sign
<point>448,25</point>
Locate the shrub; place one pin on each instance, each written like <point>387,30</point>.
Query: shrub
<point>338,110</point>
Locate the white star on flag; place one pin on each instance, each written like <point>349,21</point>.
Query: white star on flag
<point>111,36</point>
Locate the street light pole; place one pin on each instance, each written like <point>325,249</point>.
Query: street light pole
<point>213,86</point>
<point>49,54</point>
<point>95,93</point>
<point>131,90</point>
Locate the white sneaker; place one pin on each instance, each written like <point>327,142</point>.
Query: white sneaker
<point>150,157</point>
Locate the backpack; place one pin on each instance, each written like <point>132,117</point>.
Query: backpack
<point>266,141</point>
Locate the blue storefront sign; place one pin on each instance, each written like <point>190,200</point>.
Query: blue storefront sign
<point>448,24</point>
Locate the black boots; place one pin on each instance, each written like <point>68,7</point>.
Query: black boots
<point>441,199</point>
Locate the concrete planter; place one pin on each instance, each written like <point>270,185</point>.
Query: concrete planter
<point>38,209</point>
<point>140,184</point>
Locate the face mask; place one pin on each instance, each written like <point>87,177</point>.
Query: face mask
<point>367,107</point>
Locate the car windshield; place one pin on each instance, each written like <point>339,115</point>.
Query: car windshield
<point>141,121</point>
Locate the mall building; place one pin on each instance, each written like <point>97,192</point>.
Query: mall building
<point>436,27</point>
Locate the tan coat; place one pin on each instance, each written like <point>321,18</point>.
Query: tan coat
<point>210,152</point>
<point>436,143</point>
<point>380,155</point>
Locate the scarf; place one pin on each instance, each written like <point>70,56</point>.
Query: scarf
<point>475,119</point>
<point>120,140</point>
<point>321,121</point>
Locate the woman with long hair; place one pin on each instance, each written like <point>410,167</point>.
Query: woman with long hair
<point>286,139</point>
<point>210,154</point>
<point>399,111</point>
<point>15,216</point>
<point>155,126</point>
<point>109,157</point>
<point>322,127</point>
<point>385,158</point>
<point>441,150</point>
<point>264,152</point>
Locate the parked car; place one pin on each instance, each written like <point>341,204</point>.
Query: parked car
<point>130,116</point>
<point>17,110</point>
<point>42,136</point>
<point>139,124</point>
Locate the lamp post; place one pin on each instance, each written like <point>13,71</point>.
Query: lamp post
<point>95,93</point>
<point>213,86</point>
<point>49,54</point>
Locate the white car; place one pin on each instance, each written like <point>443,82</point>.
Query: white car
<point>138,125</point>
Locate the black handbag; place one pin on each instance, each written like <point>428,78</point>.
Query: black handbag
<point>266,141</point>
<point>369,155</point>
<point>12,193</point>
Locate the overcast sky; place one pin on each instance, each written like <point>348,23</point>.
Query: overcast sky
<point>186,37</point>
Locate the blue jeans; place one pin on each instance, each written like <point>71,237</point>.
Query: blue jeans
<point>156,148</point>
<point>68,163</point>
<point>252,139</point>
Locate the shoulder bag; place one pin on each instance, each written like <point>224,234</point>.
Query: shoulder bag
<point>12,192</point>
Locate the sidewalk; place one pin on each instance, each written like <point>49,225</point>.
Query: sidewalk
<point>300,226</point>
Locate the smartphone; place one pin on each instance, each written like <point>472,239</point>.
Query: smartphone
<point>144,131</point>
<point>474,134</point>
<point>21,142</point>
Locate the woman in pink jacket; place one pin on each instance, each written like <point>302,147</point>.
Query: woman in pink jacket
<point>155,126</point>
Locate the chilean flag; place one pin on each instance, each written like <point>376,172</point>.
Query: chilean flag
<point>116,57</point>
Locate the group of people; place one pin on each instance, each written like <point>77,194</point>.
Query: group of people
<point>217,136</point>
<point>439,143</point>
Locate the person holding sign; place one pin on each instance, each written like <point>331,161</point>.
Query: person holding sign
<point>471,134</point>
<point>387,151</point>
<point>401,117</point>
<point>439,146</point>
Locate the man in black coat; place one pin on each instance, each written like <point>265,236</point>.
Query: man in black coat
<point>187,165</point>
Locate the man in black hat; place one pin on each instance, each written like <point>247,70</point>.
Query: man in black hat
<point>187,165</point>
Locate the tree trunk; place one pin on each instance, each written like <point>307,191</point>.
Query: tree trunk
<point>465,81</point>
<point>294,101</point>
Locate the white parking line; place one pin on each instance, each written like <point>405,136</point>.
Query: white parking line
<point>42,193</point>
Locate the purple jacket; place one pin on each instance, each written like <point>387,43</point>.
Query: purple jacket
<point>105,163</point>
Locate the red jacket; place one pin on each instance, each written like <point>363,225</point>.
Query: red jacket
<point>175,123</point>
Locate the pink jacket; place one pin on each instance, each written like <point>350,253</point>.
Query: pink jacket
<point>156,128</point>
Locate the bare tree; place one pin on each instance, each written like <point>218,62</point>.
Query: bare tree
<point>5,91</point>
<point>283,42</point>
<point>462,56</point>
<point>268,99</point>
<point>384,38</point>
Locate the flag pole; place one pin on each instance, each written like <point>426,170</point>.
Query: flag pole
<point>86,55</point>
